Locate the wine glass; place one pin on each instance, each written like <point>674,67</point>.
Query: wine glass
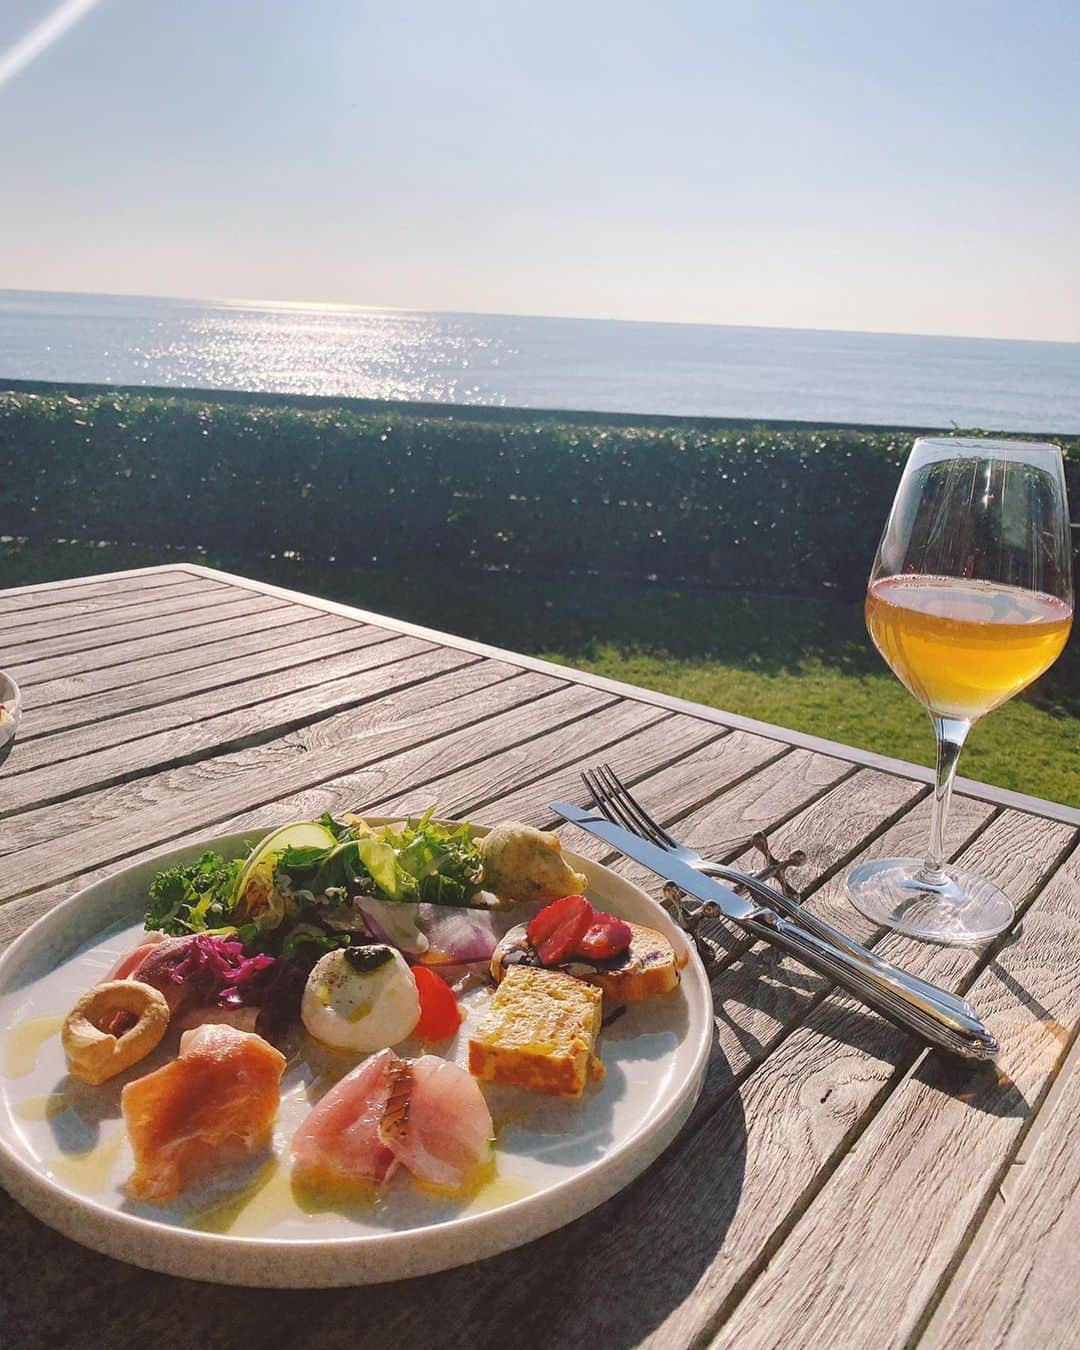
<point>969,600</point>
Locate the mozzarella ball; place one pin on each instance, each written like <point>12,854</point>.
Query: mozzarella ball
<point>361,998</point>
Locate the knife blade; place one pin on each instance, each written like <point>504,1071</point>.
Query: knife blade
<point>660,861</point>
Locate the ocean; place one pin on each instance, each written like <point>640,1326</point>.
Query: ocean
<point>592,365</point>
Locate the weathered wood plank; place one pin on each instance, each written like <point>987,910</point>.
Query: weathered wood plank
<point>682,784</point>
<point>67,745</point>
<point>27,598</point>
<point>181,645</point>
<point>655,744</point>
<point>1017,1288</point>
<point>78,618</point>
<point>800,1080</point>
<point>221,605</point>
<point>103,605</point>
<point>866,1257</point>
<point>161,808</point>
<point>267,711</point>
<point>180,684</point>
<point>34,827</point>
<point>254,643</point>
<point>721,828</point>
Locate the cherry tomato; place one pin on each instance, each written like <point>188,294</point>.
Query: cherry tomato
<point>440,1015</point>
<point>605,937</point>
<point>555,931</point>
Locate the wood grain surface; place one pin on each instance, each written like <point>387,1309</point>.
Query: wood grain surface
<point>836,1184</point>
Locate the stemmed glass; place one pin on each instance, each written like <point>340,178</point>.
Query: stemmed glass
<point>969,600</point>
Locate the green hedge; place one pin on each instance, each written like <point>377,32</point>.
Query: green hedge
<point>770,508</point>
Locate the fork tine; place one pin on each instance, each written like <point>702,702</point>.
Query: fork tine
<point>596,792</point>
<point>643,822</point>
<point>604,799</point>
<point>651,827</point>
<point>611,797</point>
<point>617,799</point>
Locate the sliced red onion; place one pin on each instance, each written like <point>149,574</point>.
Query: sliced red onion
<point>455,935</point>
<point>395,922</point>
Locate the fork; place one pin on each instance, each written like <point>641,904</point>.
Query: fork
<point>615,801</point>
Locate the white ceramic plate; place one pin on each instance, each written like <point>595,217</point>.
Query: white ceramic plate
<point>63,1153</point>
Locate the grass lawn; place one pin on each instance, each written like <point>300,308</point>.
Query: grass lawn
<point>1020,746</point>
<point>802,663</point>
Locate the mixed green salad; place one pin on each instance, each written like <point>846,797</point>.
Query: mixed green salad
<point>314,886</point>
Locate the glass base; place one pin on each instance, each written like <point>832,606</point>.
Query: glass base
<point>962,910</point>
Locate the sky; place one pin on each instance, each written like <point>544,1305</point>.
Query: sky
<point>872,165</point>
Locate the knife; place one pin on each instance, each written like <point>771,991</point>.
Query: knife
<point>954,1025</point>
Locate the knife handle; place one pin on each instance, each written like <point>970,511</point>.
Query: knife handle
<point>887,992</point>
<point>836,937</point>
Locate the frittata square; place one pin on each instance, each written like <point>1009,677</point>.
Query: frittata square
<point>539,1032</point>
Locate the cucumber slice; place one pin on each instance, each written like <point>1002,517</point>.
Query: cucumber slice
<point>260,865</point>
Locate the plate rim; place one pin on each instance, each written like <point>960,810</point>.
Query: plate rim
<point>596,1182</point>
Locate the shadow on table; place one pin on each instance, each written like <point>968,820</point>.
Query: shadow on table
<point>608,1279</point>
<point>785,995</point>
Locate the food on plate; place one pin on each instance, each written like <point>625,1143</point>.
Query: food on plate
<point>346,929</point>
<point>313,887</point>
<point>97,1045</point>
<point>426,1115</point>
<point>218,1101</point>
<point>361,999</point>
<point>126,967</point>
<point>437,1124</point>
<point>539,1032</point>
<point>206,978</point>
<point>628,961</point>
<point>440,1015</point>
<point>256,899</point>
<point>523,863</point>
<point>571,927</point>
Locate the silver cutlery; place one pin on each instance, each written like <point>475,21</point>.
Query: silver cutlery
<point>615,801</point>
<point>892,993</point>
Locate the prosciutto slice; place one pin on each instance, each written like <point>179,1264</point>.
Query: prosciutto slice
<point>217,1101</point>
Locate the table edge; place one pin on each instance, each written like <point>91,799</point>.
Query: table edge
<point>1003,797</point>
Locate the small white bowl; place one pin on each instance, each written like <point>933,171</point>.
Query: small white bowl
<point>11,714</point>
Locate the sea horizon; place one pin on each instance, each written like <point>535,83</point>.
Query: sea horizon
<point>264,302</point>
<point>627,366</point>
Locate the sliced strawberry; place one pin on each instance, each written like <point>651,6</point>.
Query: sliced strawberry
<point>557,929</point>
<point>605,937</point>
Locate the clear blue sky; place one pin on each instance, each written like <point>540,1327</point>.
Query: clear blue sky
<point>870,164</point>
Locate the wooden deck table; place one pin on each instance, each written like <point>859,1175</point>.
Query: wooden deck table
<point>837,1184</point>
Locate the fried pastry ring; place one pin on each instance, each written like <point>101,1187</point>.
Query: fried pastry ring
<point>95,1055</point>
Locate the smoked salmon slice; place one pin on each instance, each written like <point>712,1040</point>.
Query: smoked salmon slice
<point>220,1097</point>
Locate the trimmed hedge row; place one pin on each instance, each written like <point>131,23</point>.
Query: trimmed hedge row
<point>776,509</point>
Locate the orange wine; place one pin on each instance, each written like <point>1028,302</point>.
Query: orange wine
<point>963,647</point>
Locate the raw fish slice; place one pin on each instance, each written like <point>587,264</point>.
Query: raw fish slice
<point>220,1096</point>
<point>339,1141</point>
<point>127,965</point>
<point>156,969</point>
<point>442,1132</point>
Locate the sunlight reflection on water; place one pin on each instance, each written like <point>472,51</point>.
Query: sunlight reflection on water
<point>589,364</point>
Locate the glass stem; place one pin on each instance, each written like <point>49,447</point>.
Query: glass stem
<point>951,733</point>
